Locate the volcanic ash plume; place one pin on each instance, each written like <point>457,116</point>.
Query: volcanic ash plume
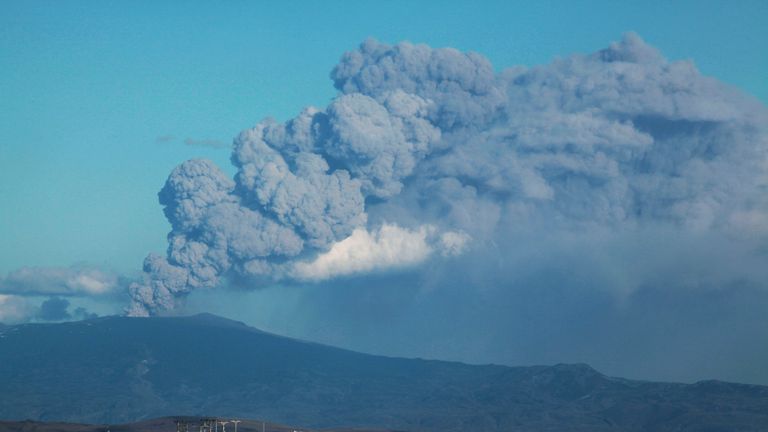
<point>426,153</point>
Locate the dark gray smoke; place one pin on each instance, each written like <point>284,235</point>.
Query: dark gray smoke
<point>54,309</point>
<point>431,152</point>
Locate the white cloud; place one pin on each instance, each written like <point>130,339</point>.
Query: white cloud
<point>388,247</point>
<point>65,281</point>
<point>13,309</point>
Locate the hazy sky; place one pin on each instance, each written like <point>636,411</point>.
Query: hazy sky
<point>639,262</point>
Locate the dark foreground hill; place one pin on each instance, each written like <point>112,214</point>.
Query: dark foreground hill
<point>119,370</point>
<point>164,424</point>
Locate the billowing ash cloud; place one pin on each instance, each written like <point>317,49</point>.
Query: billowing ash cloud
<point>426,153</point>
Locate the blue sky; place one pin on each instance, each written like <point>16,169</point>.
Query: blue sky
<point>87,87</point>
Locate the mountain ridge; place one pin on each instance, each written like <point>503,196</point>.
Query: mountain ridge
<point>119,370</point>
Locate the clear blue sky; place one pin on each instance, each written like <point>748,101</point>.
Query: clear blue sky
<point>86,87</point>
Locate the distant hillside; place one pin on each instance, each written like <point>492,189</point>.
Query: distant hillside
<point>120,370</point>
